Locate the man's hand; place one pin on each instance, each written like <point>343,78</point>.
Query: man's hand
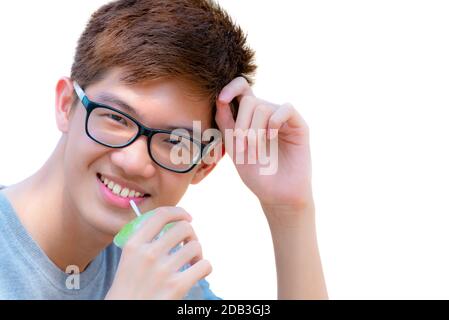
<point>290,186</point>
<point>147,270</point>
<point>285,195</point>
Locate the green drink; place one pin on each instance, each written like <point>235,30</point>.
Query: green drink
<point>196,292</point>
<point>131,227</point>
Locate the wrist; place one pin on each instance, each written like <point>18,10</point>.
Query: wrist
<point>289,216</point>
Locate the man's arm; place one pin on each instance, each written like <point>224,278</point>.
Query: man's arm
<point>285,192</point>
<point>298,263</point>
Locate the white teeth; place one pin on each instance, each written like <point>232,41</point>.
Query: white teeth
<point>124,192</point>
<point>118,190</point>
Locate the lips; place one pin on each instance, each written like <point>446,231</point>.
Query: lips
<point>116,200</point>
<point>121,187</point>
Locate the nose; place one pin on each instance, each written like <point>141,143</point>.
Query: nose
<point>134,159</point>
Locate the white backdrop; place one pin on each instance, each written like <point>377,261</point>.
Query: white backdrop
<point>370,77</point>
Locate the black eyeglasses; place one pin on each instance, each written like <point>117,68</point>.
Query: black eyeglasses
<point>113,128</point>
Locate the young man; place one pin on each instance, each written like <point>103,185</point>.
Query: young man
<point>143,69</point>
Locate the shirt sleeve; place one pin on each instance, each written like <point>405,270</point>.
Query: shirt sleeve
<point>201,291</point>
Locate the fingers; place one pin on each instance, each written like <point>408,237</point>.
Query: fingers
<point>182,231</point>
<point>251,124</point>
<point>243,121</point>
<point>223,117</point>
<point>257,133</point>
<point>153,225</point>
<point>191,252</point>
<point>286,113</point>
<point>194,273</point>
<point>256,119</point>
<point>237,88</point>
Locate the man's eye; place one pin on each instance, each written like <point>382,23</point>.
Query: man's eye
<point>117,118</point>
<point>173,142</point>
<point>178,142</point>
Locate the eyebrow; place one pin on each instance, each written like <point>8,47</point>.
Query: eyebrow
<point>109,98</point>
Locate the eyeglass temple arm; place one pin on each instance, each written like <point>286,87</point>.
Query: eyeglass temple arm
<point>79,91</point>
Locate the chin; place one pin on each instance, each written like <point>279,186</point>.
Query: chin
<point>105,224</point>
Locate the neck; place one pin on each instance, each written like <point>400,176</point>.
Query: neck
<point>52,219</point>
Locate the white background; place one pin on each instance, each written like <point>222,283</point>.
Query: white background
<point>371,79</point>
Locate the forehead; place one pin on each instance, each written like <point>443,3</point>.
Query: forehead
<point>160,103</point>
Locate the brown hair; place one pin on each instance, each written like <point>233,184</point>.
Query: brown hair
<point>195,40</point>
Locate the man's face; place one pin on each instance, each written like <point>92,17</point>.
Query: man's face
<point>159,104</point>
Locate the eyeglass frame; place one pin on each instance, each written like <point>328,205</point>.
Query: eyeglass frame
<point>143,130</point>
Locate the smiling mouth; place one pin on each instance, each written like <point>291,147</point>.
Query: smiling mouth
<point>121,191</point>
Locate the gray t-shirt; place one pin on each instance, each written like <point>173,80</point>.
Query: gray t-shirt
<point>27,273</point>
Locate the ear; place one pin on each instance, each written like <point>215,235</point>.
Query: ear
<point>202,172</point>
<point>63,103</point>
<point>206,167</point>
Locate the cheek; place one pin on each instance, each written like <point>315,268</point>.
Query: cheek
<point>80,153</point>
<point>172,188</point>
